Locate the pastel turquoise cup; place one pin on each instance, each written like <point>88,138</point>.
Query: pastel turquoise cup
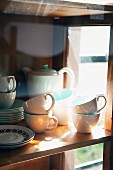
<point>7,100</point>
<point>88,104</point>
<point>62,108</point>
<point>7,84</point>
<point>63,97</point>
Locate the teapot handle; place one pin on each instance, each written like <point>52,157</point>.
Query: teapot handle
<point>53,102</point>
<point>70,73</point>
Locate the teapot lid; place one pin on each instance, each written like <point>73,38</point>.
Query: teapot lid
<point>47,70</point>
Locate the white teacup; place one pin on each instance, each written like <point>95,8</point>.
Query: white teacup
<point>41,104</point>
<point>88,104</point>
<point>63,114</point>
<point>62,108</point>
<point>63,97</point>
<point>7,84</point>
<point>7,100</point>
<point>40,123</point>
<point>85,123</point>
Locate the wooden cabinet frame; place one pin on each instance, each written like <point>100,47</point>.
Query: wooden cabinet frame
<point>55,154</point>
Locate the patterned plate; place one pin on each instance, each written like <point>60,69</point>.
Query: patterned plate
<point>12,136</point>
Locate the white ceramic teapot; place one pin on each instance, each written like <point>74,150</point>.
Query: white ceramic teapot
<point>46,80</point>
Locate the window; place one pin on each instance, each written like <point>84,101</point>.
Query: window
<point>90,53</point>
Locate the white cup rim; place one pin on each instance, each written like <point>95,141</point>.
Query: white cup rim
<point>36,114</point>
<point>80,100</point>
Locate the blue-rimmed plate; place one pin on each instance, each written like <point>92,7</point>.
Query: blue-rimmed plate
<point>12,136</point>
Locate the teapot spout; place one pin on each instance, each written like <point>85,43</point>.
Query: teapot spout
<point>22,77</point>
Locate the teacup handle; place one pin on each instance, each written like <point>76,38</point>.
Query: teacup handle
<point>53,101</point>
<point>104,103</point>
<point>53,125</point>
<point>14,83</point>
<point>98,111</point>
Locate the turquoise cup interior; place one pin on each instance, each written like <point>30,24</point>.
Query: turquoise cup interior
<point>82,100</point>
<point>62,94</point>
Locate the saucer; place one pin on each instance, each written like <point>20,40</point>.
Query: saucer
<point>12,136</point>
<point>16,107</point>
<point>12,115</point>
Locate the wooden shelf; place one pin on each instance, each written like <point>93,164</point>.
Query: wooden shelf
<point>65,13</point>
<point>53,8</point>
<point>61,139</point>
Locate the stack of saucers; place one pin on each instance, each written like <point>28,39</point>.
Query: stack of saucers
<point>12,115</point>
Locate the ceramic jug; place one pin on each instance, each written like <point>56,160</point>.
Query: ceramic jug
<point>46,80</point>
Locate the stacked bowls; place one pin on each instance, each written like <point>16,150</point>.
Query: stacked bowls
<point>10,111</point>
<point>7,91</point>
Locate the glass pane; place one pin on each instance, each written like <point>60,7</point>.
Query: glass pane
<point>88,57</point>
<point>89,157</point>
